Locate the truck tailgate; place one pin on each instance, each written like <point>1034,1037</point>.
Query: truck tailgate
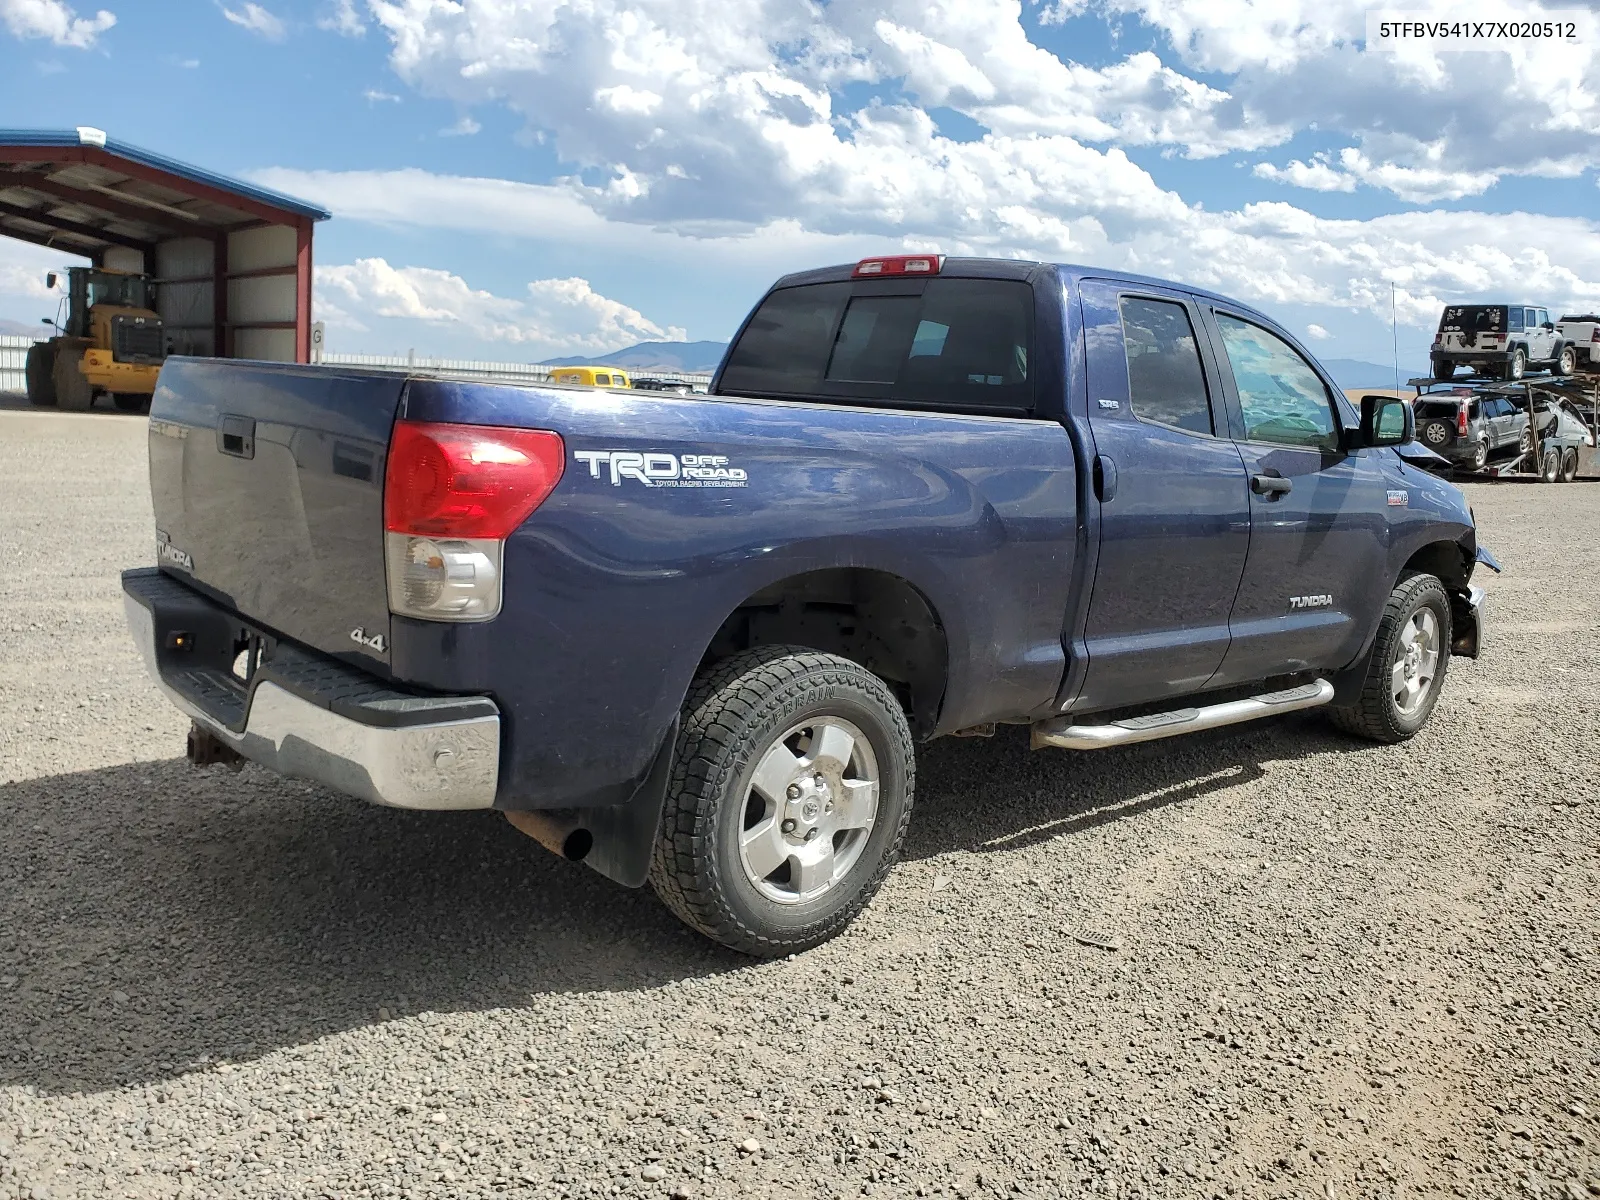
<point>267,481</point>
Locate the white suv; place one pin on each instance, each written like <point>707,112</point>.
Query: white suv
<point>1499,340</point>
<point>1583,335</point>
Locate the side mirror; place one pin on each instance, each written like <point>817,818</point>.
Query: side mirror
<point>1386,421</point>
<point>50,281</point>
<point>1548,325</point>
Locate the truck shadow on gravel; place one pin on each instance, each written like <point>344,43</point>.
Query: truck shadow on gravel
<point>154,917</point>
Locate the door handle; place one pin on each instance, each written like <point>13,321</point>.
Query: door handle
<point>1270,486</point>
<point>1105,478</point>
<point>237,436</point>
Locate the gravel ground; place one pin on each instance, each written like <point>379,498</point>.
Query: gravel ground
<point>1266,962</point>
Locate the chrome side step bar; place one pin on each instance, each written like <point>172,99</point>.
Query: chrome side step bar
<point>1060,733</point>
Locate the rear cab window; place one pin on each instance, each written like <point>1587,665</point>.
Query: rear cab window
<point>965,345</point>
<point>1166,382</point>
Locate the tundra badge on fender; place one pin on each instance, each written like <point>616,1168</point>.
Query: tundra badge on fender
<point>1310,601</point>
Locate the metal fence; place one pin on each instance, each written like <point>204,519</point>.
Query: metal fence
<point>14,351</point>
<point>13,361</point>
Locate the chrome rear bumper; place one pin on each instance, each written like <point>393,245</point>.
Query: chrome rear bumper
<point>397,756</point>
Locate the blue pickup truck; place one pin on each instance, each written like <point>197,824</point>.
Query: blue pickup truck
<point>694,640</point>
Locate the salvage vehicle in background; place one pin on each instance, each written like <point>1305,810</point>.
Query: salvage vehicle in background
<point>694,640</point>
<point>606,377</point>
<point>1582,333</point>
<point>1499,341</point>
<point>1469,429</point>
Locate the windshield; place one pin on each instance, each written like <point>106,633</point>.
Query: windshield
<point>1474,318</point>
<point>127,291</point>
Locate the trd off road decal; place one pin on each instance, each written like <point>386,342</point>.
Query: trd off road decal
<point>657,469</point>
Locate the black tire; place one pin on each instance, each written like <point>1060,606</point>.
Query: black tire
<point>1375,714</point>
<point>1566,361</point>
<point>1480,455</point>
<point>130,402</point>
<point>736,713</point>
<point>1517,367</point>
<point>1443,370</point>
<point>1569,466</point>
<point>73,392</point>
<point>1525,442</point>
<point>1550,466</point>
<point>38,370</point>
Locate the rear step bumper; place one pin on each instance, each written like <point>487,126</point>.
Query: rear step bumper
<point>308,716</point>
<point>1059,733</point>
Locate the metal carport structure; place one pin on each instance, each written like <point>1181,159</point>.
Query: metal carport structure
<point>231,261</point>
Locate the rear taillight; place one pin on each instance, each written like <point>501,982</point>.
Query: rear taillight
<point>1437,338</point>
<point>1595,336</point>
<point>452,494</point>
<point>1461,421</point>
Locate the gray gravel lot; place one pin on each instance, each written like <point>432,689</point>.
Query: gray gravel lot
<point>1265,962</point>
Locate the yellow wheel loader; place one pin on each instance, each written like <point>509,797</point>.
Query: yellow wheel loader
<point>112,343</point>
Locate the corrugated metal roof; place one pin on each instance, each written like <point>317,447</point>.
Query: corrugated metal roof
<point>100,140</point>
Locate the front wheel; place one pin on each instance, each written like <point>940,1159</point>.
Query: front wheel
<point>1407,665</point>
<point>130,402</point>
<point>790,794</point>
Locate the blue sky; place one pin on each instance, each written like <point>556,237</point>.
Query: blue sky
<point>520,180</point>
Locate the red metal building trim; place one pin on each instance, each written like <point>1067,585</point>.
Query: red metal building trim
<point>302,290</point>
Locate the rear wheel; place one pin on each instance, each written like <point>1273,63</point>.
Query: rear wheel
<point>1550,466</point>
<point>1480,455</point>
<point>1443,370</point>
<point>1566,361</point>
<point>1517,367</point>
<point>790,795</point>
<point>1569,466</point>
<point>1407,665</point>
<point>40,363</point>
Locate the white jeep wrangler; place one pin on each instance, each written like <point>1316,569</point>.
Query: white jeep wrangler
<point>1501,341</point>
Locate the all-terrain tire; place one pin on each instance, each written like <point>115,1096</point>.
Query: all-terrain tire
<point>735,712</point>
<point>1567,360</point>
<point>1375,714</point>
<point>1517,367</point>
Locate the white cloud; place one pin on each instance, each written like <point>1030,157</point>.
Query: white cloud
<point>258,21</point>
<point>465,127</point>
<point>1317,333</point>
<point>1420,184</point>
<point>1428,125</point>
<point>557,316</point>
<point>54,20</point>
<point>343,19</point>
<point>1271,254</point>
<point>374,96</point>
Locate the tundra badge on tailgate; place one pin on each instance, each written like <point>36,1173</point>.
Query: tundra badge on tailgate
<point>166,552</point>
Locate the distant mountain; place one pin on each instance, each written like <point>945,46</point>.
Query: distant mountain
<point>21,328</point>
<point>1352,374</point>
<point>688,357</point>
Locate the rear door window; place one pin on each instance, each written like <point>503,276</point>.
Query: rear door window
<point>948,343</point>
<point>1516,320</point>
<point>1166,383</point>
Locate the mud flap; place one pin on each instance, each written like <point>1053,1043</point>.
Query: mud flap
<point>625,834</point>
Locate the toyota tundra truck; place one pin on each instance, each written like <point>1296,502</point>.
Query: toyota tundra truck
<point>695,640</point>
